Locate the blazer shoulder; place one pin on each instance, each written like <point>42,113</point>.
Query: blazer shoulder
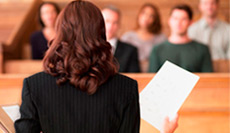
<point>124,81</point>
<point>125,45</point>
<point>39,75</point>
<point>125,85</point>
<point>124,78</point>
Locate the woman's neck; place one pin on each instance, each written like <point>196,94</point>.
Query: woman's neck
<point>144,34</point>
<point>143,30</point>
<point>49,29</point>
<point>49,33</point>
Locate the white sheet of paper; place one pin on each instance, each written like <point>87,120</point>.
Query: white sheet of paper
<point>12,112</point>
<point>165,94</point>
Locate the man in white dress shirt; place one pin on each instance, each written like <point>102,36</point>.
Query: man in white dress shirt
<point>125,54</point>
<point>212,31</point>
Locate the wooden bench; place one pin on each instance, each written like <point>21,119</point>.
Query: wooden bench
<point>32,66</point>
<point>206,109</point>
<point>23,66</point>
<point>17,18</point>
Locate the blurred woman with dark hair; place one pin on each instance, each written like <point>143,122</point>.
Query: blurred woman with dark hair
<point>80,90</point>
<point>47,14</point>
<point>148,33</point>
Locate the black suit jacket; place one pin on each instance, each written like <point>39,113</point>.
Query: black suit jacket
<point>127,57</point>
<point>50,108</point>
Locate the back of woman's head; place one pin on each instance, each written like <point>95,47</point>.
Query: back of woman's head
<point>79,52</point>
<point>155,27</point>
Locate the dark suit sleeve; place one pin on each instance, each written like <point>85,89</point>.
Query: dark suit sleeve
<point>28,122</point>
<point>134,65</point>
<point>131,116</point>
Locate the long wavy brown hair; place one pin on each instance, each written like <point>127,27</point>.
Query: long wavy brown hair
<point>156,26</point>
<point>79,52</point>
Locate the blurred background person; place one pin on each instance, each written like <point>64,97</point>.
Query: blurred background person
<point>212,31</point>
<point>148,33</point>
<point>48,12</point>
<point>179,48</point>
<point>125,53</point>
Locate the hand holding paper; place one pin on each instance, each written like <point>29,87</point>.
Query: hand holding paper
<point>170,126</point>
<point>165,94</point>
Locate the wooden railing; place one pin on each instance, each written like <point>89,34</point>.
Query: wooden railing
<point>33,66</point>
<point>23,66</point>
<point>206,110</point>
<point>22,24</point>
<point>20,16</point>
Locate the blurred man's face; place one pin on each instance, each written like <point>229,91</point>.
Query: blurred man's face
<point>111,23</point>
<point>179,22</point>
<point>208,8</point>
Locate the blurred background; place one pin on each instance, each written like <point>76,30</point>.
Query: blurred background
<point>205,111</point>
<point>18,20</point>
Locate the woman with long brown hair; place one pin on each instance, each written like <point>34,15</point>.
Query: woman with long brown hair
<point>80,90</point>
<point>148,33</point>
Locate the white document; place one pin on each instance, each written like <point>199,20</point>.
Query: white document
<point>165,94</point>
<point>12,112</point>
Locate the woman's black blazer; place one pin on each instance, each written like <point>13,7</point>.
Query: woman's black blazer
<point>50,108</point>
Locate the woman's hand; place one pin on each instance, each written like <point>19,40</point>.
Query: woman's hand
<point>170,126</point>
